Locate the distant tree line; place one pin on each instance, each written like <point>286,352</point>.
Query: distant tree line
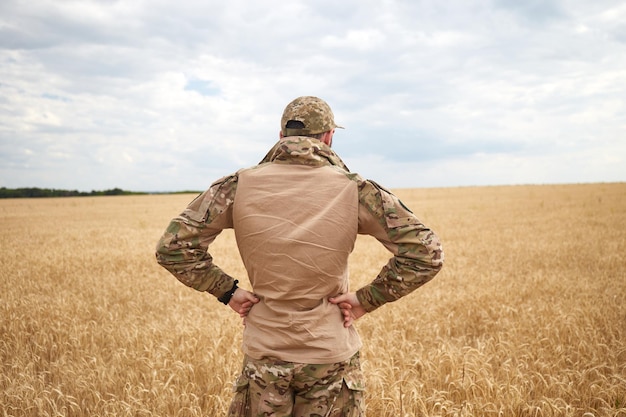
<point>51,192</point>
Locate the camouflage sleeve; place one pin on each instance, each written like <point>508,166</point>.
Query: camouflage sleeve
<point>417,252</point>
<point>183,248</point>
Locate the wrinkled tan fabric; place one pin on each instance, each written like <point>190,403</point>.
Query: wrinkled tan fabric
<point>295,228</point>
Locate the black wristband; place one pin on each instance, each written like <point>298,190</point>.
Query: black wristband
<point>225,299</point>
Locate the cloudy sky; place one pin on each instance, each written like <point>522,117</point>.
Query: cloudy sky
<point>162,95</point>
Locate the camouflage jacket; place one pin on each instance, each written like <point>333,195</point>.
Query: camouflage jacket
<point>417,255</point>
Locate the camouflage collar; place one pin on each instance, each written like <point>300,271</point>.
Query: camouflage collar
<point>303,150</point>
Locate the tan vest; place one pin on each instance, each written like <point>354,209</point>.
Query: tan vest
<point>296,227</point>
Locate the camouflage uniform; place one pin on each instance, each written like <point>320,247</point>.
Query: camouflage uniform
<point>269,387</point>
<point>266,382</point>
<point>183,248</point>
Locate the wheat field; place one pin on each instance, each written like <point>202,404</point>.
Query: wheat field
<point>527,317</point>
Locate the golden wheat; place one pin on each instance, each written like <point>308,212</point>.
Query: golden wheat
<point>526,319</point>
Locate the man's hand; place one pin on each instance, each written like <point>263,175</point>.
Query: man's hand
<point>242,301</point>
<point>350,307</point>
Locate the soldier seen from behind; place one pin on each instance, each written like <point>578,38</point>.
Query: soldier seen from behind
<point>296,216</point>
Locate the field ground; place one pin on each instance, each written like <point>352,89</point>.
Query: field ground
<point>527,318</point>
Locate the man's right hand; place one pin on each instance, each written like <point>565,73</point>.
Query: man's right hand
<point>242,301</point>
<point>350,307</point>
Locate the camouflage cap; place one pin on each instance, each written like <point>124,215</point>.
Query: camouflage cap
<point>314,115</point>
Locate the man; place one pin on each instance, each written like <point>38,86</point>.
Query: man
<point>296,216</point>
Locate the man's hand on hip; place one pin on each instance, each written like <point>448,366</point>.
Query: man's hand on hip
<point>350,307</point>
<point>242,301</point>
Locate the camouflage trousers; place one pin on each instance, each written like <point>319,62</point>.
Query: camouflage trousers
<point>272,388</point>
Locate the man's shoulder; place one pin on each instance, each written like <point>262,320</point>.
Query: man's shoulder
<point>385,205</point>
<point>214,201</point>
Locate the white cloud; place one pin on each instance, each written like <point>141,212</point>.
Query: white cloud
<point>361,40</point>
<point>160,95</point>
